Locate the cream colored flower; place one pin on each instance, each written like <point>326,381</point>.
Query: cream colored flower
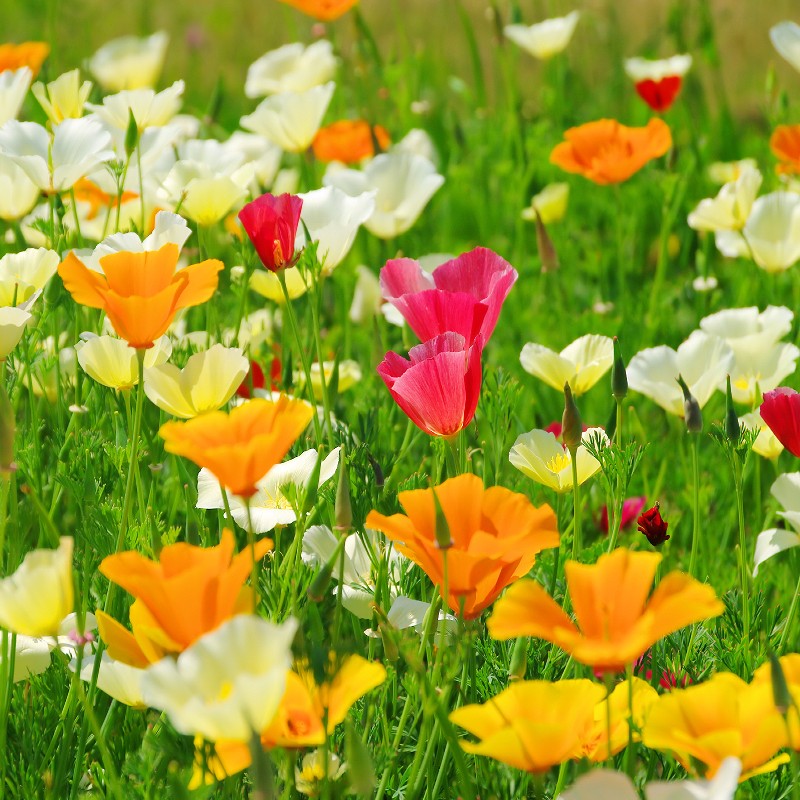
<point>64,97</point>
<point>112,362</point>
<point>18,193</point>
<point>206,383</point>
<point>550,204</point>
<point>150,109</point>
<point>291,68</point>
<point>229,683</point>
<point>540,456</point>
<point>39,594</point>
<point>544,39</point>
<point>729,171</point>
<point>311,772</point>
<point>263,156</point>
<point>349,375</point>
<point>14,84</point>
<point>731,207</point>
<point>581,363</point>
<point>266,283</point>
<point>117,679</point>
<point>645,69</point>
<point>291,119</point>
<point>786,490</point>
<point>785,38</point>
<point>130,62</point>
<point>367,297</point>
<point>13,321</point>
<point>766,443</point>
<point>22,274</point>
<point>31,656</point>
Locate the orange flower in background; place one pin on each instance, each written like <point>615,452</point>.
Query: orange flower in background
<point>349,141</point>
<point>188,592</point>
<point>27,54</point>
<point>140,291</point>
<point>325,10</point>
<point>616,622</point>
<point>241,447</point>
<point>496,535</point>
<point>87,191</point>
<point>785,144</point>
<point>299,722</point>
<point>606,151</point>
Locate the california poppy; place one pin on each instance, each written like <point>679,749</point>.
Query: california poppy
<point>26,54</point>
<point>325,10</point>
<point>271,223</point>
<point>658,82</point>
<point>785,144</point>
<point>496,536</point>
<point>606,151</point>
<point>140,291</point>
<point>349,141</point>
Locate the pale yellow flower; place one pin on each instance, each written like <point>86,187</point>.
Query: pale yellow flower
<point>550,204</point>
<point>23,274</point>
<point>581,363</point>
<point>267,284</point>
<point>310,773</point>
<point>349,375</point>
<point>766,443</point>
<point>150,109</point>
<point>112,361</point>
<point>13,321</point>
<point>64,97</point>
<point>39,594</point>
<point>130,62</point>
<point>18,193</point>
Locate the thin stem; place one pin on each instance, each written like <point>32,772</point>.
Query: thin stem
<point>577,538</point>
<point>743,557</point>
<point>629,751</point>
<point>316,299</point>
<point>696,503</point>
<point>251,542</point>
<point>789,618</point>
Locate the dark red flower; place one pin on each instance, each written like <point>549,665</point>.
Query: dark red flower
<point>653,526</point>
<point>255,379</point>
<point>271,223</point>
<point>780,410</point>
<point>630,511</point>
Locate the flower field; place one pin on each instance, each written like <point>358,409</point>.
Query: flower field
<point>400,412</point>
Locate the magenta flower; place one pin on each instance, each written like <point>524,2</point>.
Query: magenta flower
<point>780,410</point>
<point>631,508</point>
<point>464,295</point>
<point>271,223</point>
<point>438,387</point>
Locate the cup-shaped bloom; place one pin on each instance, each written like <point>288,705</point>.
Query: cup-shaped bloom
<point>240,448</point>
<point>291,119</point>
<point>117,679</point>
<point>271,223</point>
<point>291,68</point>
<point>188,592</point>
<point>149,108</point>
<point>496,536</point>
<point>18,193</point>
<point>785,37</point>
<point>206,383</point>
<point>729,210</point>
<point>702,361</point>
<point>64,97</point>
<point>606,151</point>
<point>438,386</point>
<point>140,291</point>
<point>539,455</point>
<point>549,205</point>
<point>349,141</point>
<point>13,321</point>
<point>229,684</point>
<point>348,374</point>
<point>333,219</point>
<point>544,39</point>
<point>22,274</point>
<point>463,295</point>
<point>113,362</point>
<point>130,62</point>
<point>708,722</point>
<point>772,233</point>
<point>616,622</point>
<point>780,410</point>
<point>748,330</point>
<point>658,82</point>
<point>790,666</point>
<point>581,363</point>
<point>786,490</point>
<point>26,54</point>
<point>14,85</point>
<point>269,506</point>
<point>403,182</point>
<point>532,725</point>
<point>77,148</point>
<point>785,144</point>
<point>766,444</point>
<point>325,10</point>
<point>38,594</point>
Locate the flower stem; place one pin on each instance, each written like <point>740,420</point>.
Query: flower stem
<point>577,538</point>
<point>251,542</point>
<point>789,618</point>
<point>743,557</point>
<point>316,299</point>
<point>696,503</point>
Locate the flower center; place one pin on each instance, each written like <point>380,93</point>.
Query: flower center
<point>558,462</point>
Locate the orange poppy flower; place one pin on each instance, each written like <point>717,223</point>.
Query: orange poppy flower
<point>496,535</point>
<point>140,291</point>
<point>241,447</point>
<point>188,592</point>
<point>785,144</point>
<point>349,141</point>
<point>89,192</point>
<point>27,54</point>
<point>616,621</point>
<point>326,10</point>
<point>606,151</point>
<point>299,722</point>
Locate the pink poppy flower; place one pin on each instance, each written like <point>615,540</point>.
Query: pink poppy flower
<point>271,223</point>
<point>463,295</point>
<point>439,385</point>
<point>631,508</point>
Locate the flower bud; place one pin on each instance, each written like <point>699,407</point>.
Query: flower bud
<point>571,422</point>
<point>781,695</point>
<point>344,508</point>
<point>359,761</point>
<point>443,538</point>
<point>519,660</point>
<point>547,252</point>
<point>732,428</point>
<point>131,134</point>
<point>619,377</point>
<point>651,524</point>
<point>319,586</point>
<point>692,415</point>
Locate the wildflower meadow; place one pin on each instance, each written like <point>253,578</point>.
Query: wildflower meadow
<point>400,404</point>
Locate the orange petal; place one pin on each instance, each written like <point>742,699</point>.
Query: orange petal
<point>120,643</point>
<point>141,320</point>
<point>201,282</point>
<point>82,283</point>
<point>527,610</point>
<point>142,274</point>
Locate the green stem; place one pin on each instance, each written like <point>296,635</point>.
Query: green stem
<point>629,751</point>
<point>251,543</point>
<point>696,503</point>
<point>577,538</point>
<point>743,557</point>
<point>316,299</point>
<point>789,618</point>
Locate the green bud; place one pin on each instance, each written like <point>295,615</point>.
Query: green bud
<point>344,508</point>
<point>732,428</point>
<point>7,432</point>
<point>359,762</point>
<point>547,251</point>
<point>519,660</point>
<point>571,423</point>
<point>131,134</point>
<point>309,495</point>
<point>215,103</point>
<point>443,538</point>
<point>692,415</point>
<point>781,695</point>
<point>390,649</point>
<point>619,378</point>
<point>322,580</point>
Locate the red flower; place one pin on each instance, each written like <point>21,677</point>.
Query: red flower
<point>630,510</point>
<point>658,82</point>
<point>653,526</point>
<point>780,410</point>
<point>256,379</point>
<point>438,387</point>
<point>271,223</point>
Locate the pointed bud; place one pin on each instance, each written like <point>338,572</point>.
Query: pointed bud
<point>7,432</point>
<point>571,423</point>
<point>619,377</point>
<point>443,538</point>
<point>547,251</point>
<point>309,496</point>
<point>359,762</point>
<point>692,415</point>
<point>781,695</point>
<point>131,134</point>
<point>215,103</point>
<point>390,649</point>
<point>732,427</point>
<point>519,660</point>
<point>322,580</point>
<point>344,508</point>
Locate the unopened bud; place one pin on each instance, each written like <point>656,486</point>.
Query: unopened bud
<point>390,649</point>
<point>692,415</point>
<point>732,428</point>
<point>781,695</point>
<point>619,377</point>
<point>443,538</point>
<point>344,508</point>
<point>547,251</point>
<point>571,423</point>
<point>322,580</point>
<point>359,762</point>
<point>131,134</point>
<point>519,660</point>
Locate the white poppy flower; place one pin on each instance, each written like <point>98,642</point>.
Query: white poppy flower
<point>540,456</point>
<point>130,62</point>
<point>18,193</point>
<point>367,297</point>
<point>78,148</point>
<point>64,97</point>
<point>544,39</point>
<point>403,185</point>
<point>14,85</point>
<point>116,678</point>
<point>582,363</point>
<point>269,506</point>
<point>786,490</point>
<point>407,613</point>
<point>772,232</point>
<point>702,361</point>
<point>13,321</point>
<point>22,274</point>
<point>766,443</point>
<point>229,683</point>
<point>150,109</point>
<point>785,37</point>
<point>731,207</point>
<point>645,69</point>
<point>262,155</point>
<point>112,362</point>
<point>291,119</point>
<point>291,68</point>
<point>419,143</point>
<point>31,656</point>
